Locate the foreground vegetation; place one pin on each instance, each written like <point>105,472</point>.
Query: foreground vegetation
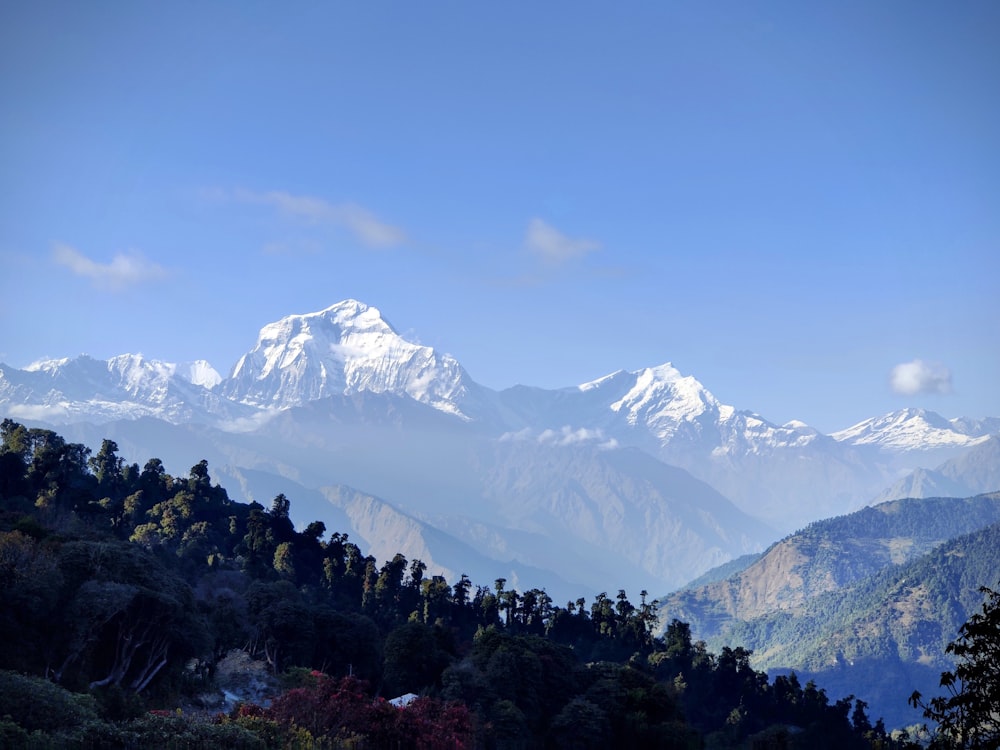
<point>125,589</point>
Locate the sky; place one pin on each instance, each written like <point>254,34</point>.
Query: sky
<point>796,203</point>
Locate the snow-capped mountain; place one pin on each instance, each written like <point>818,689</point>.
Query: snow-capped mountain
<point>786,474</point>
<point>200,373</point>
<point>917,430</point>
<point>676,408</point>
<point>659,408</point>
<point>344,349</point>
<point>128,386</point>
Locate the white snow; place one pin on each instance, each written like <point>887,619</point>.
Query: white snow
<point>350,348</point>
<point>46,365</point>
<point>200,373</point>
<point>911,430</point>
<point>346,348</point>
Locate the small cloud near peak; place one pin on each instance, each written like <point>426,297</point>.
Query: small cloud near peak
<point>554,247</point>
<point>918,376</point>
<point>564,436</point>
<point>124,270</point>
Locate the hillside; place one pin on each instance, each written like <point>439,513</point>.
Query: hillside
<point>864,603</point>
<point>826,556</point>
<point>882,636</point>
<point>976,470</point>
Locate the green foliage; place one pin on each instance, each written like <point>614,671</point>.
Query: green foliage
<point>30,582</point>
<point>172,730</point>
<point>415,656</point>
<point>937,588</point>
<point>36,704</point>
<point>969,714</point>
<point>887,632</point>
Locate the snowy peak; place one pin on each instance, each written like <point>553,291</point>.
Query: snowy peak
<point>127,386</point>
<point>666,395</point>
<point>131,372</point>
<point>135,373</point>
<point>48,365</point>
<point>346,348</point>
<point>679,412</point>
<point>663,399</point>
<point>329,333</point>
<point>200,373</point>
<point>915,430</point>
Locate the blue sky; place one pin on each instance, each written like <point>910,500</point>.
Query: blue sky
<point>786,200</point>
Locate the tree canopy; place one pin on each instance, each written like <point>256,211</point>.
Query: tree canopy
<point>968,714</point>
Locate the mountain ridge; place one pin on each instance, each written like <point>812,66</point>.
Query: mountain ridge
<point>338,397</point>
<point>350,347</point>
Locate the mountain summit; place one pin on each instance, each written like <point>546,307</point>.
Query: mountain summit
<point>917,429</point>
<point>345,349</point>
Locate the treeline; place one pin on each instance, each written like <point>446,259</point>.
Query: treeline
<point>926,519</point>
<point>123,589</point>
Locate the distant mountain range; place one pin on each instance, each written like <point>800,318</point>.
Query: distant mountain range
<point>975,470</point>
<point>638,479</point>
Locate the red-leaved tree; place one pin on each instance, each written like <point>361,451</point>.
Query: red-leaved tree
<point>341,709</point>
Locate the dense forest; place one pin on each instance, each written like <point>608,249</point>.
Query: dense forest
<point>127,592</point>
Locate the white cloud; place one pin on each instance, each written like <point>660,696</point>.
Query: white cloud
<point>361,222</point>
<point>125,269</point>
<point>249,424</point>
<point>911,378</point>
<point>568,436</point>
<point>554,247</point>
<point>40,412</point>
<point>565,435</point>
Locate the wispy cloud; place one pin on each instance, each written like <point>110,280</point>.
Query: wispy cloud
<point>552,246</point>
<point>568,436</point>
<point>564,436</point>
<point>911,378</point>
<point>250,423</point>
<point>124,270</point>
<point>362,223</point>
<point>46,412</point>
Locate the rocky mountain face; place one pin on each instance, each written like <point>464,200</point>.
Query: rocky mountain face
<point>646,466</point>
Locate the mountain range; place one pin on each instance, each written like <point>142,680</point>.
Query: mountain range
<point>638,479</point>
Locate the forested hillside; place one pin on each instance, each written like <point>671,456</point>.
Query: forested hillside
<point>826,556</point>
<point>128,591</point>
<point>865,602</point>
<point>887,632</point>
